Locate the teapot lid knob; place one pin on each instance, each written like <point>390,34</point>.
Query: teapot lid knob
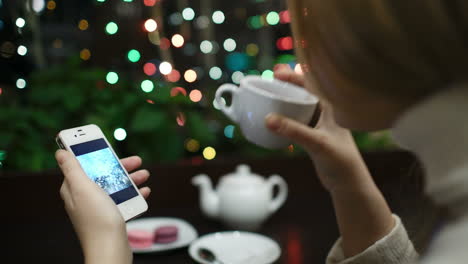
<point>243,170</point>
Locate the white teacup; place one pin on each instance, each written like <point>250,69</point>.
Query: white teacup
<point>256,97</point>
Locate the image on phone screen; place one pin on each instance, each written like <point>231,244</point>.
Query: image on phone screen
<point>101,165</point>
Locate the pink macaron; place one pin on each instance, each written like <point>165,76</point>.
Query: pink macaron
<point>140,238</point>
<point>166,234</point>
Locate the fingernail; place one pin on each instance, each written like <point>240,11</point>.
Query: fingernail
<point>273,122</point>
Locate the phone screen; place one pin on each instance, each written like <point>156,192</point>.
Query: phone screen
<point>101,165</point>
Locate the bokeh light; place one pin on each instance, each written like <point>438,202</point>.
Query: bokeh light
<point>83,24</point>
<point>206,46</point>
<point>273,18</point>
<point>255,22</point>
<point>215,73</point>
<point>147,86</point>
<point>268,74</point>
<point>209,153</point>
<point>229,131</point>
<point>149,2</point>
<point>196,96</point>
<point>165,67</point>
<point>85,54</point>
<point>202,22</point>
<point>1,91</point>
<point>100,1</point>
<point>149,69</point>
<point>237,77</point>
<point>51,5</point>
<point>192,145</point>
<point>151,25</point>
<point>190,76</point>
<point>178,90</point>
<point>229,44</point>
<point>285,17</point>
<point>181,119</point>
<point>165,44</point>
<point>112,28</point>
<point>120,134</point>
<point>177,40</point>
<point>37,5</point>
<point>237,61</point>
<point>285,43</point>
<point>252,49</point>
<point>133,55</point>
<point>218,17</point>
<point>174,76</point>
<point>176,19</point>
<point>298,69</point>
<point>20,22</point>
<point>188,14</point>
<point>21,83</point>
<point>112,77</point>
<point>22,50</point>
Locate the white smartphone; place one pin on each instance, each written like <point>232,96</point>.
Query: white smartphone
<point>100,163</point>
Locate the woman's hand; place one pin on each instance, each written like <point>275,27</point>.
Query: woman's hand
<point>95,217</point>
<point>362,213</point>
<point>338,162</point>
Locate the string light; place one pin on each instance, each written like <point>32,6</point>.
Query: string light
<point>285,43</point>
<point>215,73</point>
<point>20,22</point>
<point>101,1</point>
<point>1,91</point>
<point>149,2</point>
<point>174,76</point>
<point>85,54</point>
<point>202,22</point>
<point>149,69</point>
<point>218,17</point>
<point>133,55</point>
<point>151,25</point>
<point>38,5</point>
<point>120,134</point>
<point>112,77</point>
<point>206,46</point>
<point>165,67</point>
<point>285,18</point>
<point>112,28</point>
<point>176,19</point>
<point>190,76</point>
<point>22,50</point>
<point>237,77</point>
<point>181,119</point>
<point>196,96</point>
<point>188,14</point>
<point>83,24</point>
<point>252,49</point>
<point>51,5</point>
<point>298,69</point>
<point>165,43</point>
<point>268,74</point>
<point>20,83</point>
<point>147,86</point>
<point>177,40</point>
<point>192,145</point>
<point>229,131</point>
<point>229,45</point>
<point>209,153</point>
<point>178,90</point>
<point>273,18</point>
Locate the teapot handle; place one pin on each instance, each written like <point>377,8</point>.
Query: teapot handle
<point>277,202</point>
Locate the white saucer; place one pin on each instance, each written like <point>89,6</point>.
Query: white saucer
<point>237,247</point>
<point>187,232</point>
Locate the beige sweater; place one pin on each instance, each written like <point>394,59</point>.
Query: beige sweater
<point>436,130</point>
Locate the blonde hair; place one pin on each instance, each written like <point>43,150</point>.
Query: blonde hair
<point>405,49</point>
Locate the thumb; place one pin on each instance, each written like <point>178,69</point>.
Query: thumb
<point>71,169</point>
<point>310,138</point>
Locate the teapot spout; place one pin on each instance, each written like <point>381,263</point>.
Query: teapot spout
<point>209,200</point>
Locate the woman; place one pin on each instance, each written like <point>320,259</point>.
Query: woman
<point>376,64</point>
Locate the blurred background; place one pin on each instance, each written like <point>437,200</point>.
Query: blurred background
<point>145,71</point>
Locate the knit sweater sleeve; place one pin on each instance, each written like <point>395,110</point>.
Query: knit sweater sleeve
<point>395,248</point>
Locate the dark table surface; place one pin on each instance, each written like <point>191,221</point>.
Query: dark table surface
<point>35,228</point>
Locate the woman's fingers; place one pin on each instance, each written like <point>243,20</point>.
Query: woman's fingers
<point>287,75</point>
<point>140,177</point>
<point>145,192</point>
<point>71,169</point>
<point>310,138</point>
<point>131,163</point>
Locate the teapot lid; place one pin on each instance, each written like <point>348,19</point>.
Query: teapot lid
<point>242,175</point>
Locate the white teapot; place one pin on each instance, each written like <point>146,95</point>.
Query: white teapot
<point>242,200</point>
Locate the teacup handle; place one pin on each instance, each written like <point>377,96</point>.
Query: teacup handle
<point>227,110</point>
<point>277,202</point>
